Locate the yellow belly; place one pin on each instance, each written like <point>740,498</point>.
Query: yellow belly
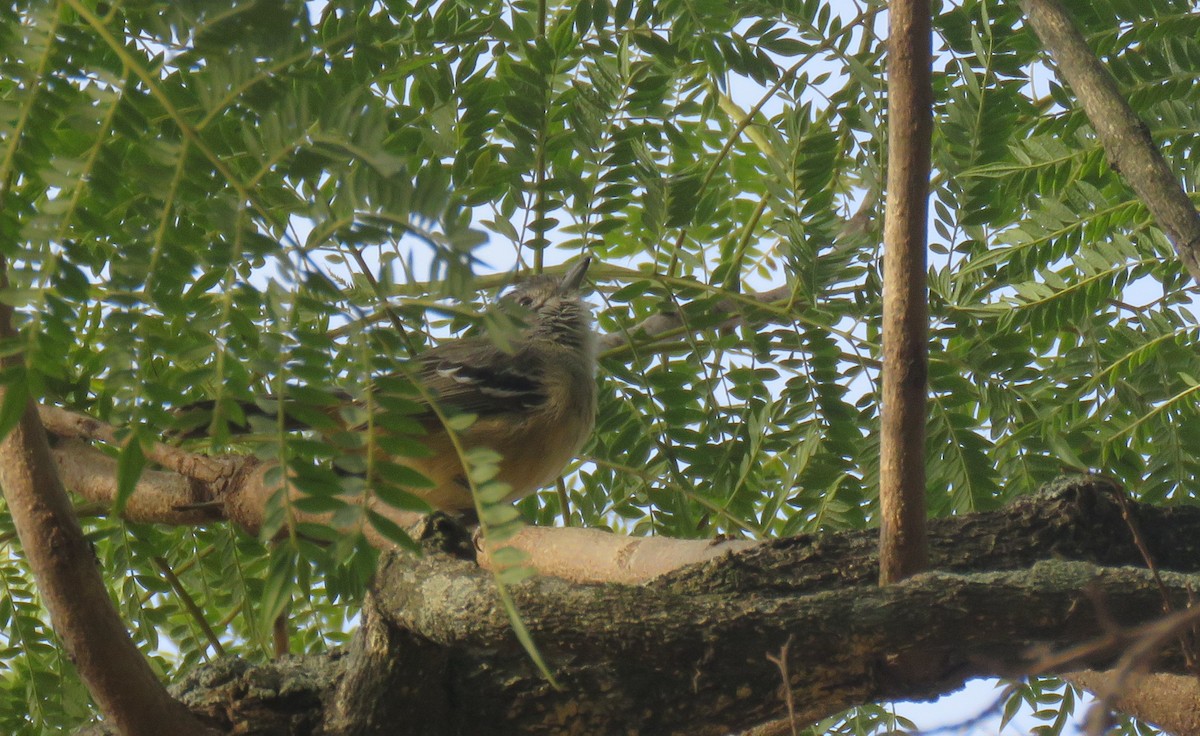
<point>533,453</point>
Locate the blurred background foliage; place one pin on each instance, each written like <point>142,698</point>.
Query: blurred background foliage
<point>221,200</point>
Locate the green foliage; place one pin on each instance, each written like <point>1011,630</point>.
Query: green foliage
<point>865,719</point>
<point>1047,699</point>
<point>215,201</point>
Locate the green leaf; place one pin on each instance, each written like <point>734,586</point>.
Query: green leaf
<point>523,635</point>
<point>392,531</point>
<point>398,498</point>
<point>280,584</point>
<point>131,461</point>
<point>460,422</point>
<point>15,401</point>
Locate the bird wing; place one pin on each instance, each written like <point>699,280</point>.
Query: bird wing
<point>464,376</point>
<point>472,375</point>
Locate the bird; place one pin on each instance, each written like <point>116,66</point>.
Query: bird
<point>534,403</point>
<point>532,396</point>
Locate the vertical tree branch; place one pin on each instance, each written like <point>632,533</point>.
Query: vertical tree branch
<point>64,565</point>
<point>1125,137</point>
<point>902,539</point>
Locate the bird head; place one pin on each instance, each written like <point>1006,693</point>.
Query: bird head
<point>545,293</point>
<point>557,312</point>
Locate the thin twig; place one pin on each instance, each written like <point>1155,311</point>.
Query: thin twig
<point>1119,492</point>
<point>781,662</point>
<point>563,501</point>
<point>189,603</point>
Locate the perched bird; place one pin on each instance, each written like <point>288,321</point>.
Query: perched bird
<point>534,401</point>
<point>535,405</point>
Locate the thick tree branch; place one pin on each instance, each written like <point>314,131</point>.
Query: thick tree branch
<point>688,652</point>
<point>239,491</point>
<point>160,497</point>
<point>1125,137</point>
<point>206,490</point>
<point>905,303</point>
<point>663,661</point>
<point>590,555</point>
<point>203,468</point>
<point>1078,521</point>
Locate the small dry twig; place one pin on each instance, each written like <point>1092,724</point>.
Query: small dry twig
<point>781,662</point>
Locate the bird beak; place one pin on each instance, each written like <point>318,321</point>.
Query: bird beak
<point>573,279</point>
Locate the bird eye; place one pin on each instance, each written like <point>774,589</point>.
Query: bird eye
<point>525,301</point>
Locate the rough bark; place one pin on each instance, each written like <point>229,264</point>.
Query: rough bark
<point>1125,137</point>
<point>902,418</point>
<point>687,652</point>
